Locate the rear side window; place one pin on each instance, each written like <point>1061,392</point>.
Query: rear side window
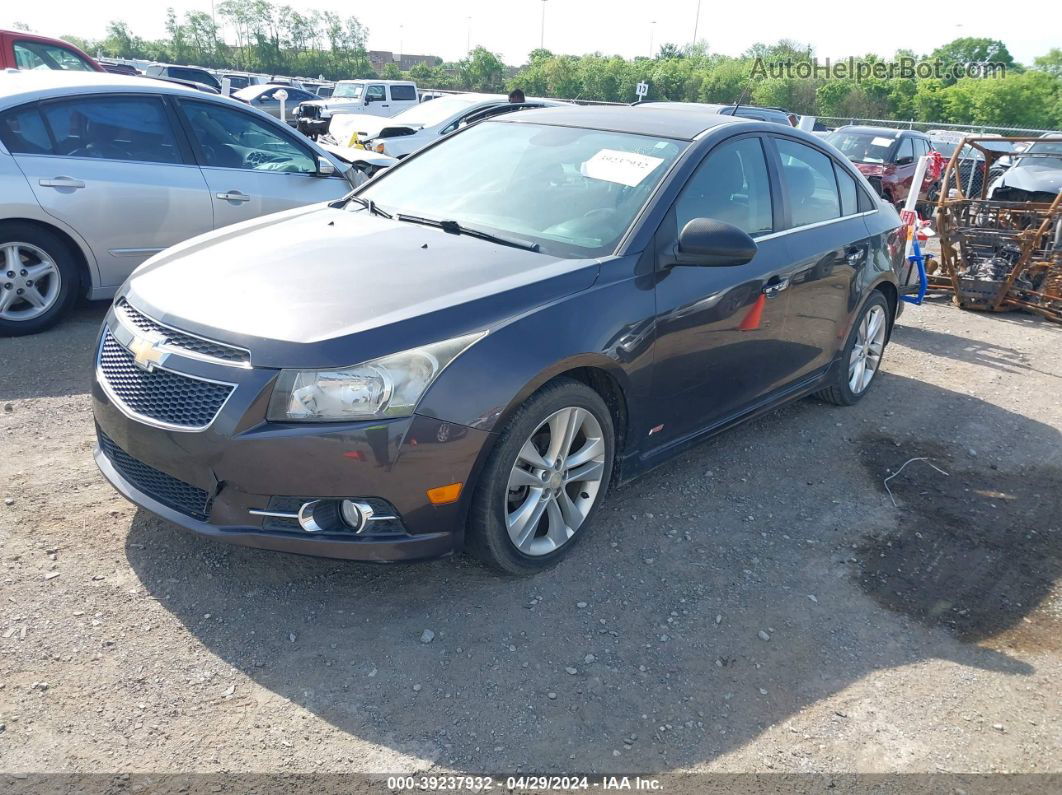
<point>399,93</point>
<point>37,55</point>
<point>731,185</point>
<point>809,183</point>
<point>847,187</point>
<point>23,132</point>
<point>113,128</point>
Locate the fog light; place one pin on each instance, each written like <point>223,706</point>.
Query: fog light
<point>355,514</point>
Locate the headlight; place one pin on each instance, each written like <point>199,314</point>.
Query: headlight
<point>326,113</point>
<point>390,386</point>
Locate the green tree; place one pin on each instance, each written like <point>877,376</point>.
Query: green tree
<point>391,72</point>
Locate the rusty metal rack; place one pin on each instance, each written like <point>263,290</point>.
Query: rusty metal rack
<point>998,255</point>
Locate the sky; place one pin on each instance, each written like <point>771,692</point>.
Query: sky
<point>834,28</point>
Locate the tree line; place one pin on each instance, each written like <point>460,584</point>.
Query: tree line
<point>277,39</point>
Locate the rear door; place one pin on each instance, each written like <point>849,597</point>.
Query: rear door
<point>718,328</point>
<point>253,165</point>
<point>828,245</point>
<point>114,168</point>
<point>403,97</point>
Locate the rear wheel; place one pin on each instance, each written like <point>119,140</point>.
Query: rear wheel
<point>862,354</point>
<point>38,279</point>
<point>544,480</point>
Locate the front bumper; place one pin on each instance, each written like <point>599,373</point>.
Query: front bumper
<point>240,463</point>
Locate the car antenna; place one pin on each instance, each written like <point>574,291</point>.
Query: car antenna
<point>741,96</point>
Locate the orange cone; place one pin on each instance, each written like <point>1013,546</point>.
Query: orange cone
<point>755,314</point>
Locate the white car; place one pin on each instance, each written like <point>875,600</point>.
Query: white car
<point>419,126</point>
<point>372,97</point>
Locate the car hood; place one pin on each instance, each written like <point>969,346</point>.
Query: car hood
<point>325,287</point>
<point>1032,177</point>
<point>344,125</point>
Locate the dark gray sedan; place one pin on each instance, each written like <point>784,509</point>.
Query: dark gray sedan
<point>472,348</point>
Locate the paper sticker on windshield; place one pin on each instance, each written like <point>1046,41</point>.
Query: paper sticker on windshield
<point>879,141</point>
<point>624,168</point>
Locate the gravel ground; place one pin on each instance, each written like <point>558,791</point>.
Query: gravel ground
<point>759,604</point>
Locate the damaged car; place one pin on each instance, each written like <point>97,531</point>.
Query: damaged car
<point>1035,177</point>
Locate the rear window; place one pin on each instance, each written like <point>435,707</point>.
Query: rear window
<point>403,92</point>
<point>195,75</point>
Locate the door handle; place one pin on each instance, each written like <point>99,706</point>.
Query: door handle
<point>775,285</point>
<point>234,196</point>
<point>61,182</point>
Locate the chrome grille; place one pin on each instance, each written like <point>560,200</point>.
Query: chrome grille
<point>161,396</point>
<point>180,340</point>
<point>168,490</point>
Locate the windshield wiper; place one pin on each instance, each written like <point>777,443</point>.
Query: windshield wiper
<point>455,228</point>
<point>368,204</point>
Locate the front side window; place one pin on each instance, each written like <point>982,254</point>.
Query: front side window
<point>731,185</point>
<point>23,132</point>
<point>230,138</point>
<point>376,94</point>
<point>37,55</point>
<point>112,128</point>
<point>573,191</point>
<point>905,152</point>
<point>809,182</point>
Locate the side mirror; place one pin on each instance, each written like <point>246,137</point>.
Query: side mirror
<point>904,161</point>
<point>706,241</point>
<point>325,167</point>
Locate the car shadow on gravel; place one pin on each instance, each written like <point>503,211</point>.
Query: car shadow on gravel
<point>963,349</point>
<point>719,596</point>
<point>55,363</point>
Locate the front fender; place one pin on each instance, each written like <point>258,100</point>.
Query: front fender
<point>609,326</point>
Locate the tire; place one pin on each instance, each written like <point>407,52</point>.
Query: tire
<point>34,249</point>
<point>495,504</point>
<point>839,390</point>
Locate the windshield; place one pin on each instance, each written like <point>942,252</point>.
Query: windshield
<point>862,147</point>
<point>428,114</point>
<point>348,90</point>
<point>573,191</point>
<point>1048,154</point>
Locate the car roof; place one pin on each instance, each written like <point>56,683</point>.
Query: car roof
<point>681,123</point>
<point>28,85</point>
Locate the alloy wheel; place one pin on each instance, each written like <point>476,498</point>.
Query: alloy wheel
<point>866,352</point>
<point>29,281</point>
<point>555,481</point>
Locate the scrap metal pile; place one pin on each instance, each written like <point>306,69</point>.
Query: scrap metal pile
<point>999,255</point>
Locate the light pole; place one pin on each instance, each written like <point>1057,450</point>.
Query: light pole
<point>401,43</point>
<point>696,22</point>
<point>542,35</point>
<point>468,35</point>
<point>652,30</point>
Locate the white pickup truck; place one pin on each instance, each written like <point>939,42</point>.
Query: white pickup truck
<point>373,97</point>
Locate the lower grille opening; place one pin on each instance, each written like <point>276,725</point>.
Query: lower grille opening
<point>168,490</point>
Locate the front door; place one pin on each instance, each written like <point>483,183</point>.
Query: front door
<point>718,345</point>
<point>111,167</point>
<point>253,166</point>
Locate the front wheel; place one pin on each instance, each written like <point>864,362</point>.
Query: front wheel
<point>862,354</point>
<point>545,478</point>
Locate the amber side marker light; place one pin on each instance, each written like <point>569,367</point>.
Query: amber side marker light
<point>444,495</point>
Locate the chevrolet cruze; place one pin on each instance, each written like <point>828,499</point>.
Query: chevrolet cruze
<point>469,350</point>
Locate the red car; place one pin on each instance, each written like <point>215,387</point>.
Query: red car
<point>886,157</point>
<point>20,50</point>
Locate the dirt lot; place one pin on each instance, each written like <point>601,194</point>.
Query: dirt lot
<point>757,605</point>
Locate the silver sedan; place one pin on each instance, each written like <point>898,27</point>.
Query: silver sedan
<point>98,172</point>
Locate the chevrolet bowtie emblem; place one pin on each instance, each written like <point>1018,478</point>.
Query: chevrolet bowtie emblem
<point>147,351</point>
